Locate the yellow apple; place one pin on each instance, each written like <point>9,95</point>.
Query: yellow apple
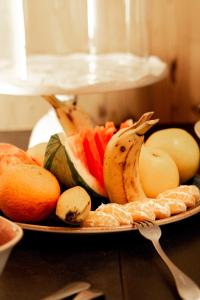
<point>181,146</point>
<point>158,171</point>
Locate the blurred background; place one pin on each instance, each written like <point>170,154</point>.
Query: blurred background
<point>173,35</point>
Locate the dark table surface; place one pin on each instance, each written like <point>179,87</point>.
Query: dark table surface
<point>123,265</point>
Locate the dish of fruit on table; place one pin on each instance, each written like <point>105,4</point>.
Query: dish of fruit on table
<point>97,179</point>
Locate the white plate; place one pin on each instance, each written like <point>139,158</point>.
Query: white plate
<point>103,230</point>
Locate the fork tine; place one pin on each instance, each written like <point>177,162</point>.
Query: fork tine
<point>149,223</point>
<point>144,223</point>
<point>139,223</point>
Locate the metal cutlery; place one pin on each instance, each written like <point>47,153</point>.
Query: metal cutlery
<point>68,290</point>
<point>89,294</point>
<point>186,287</point>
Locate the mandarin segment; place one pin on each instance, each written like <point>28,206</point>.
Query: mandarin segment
<point>140,211</point>
<point>176,206</point>
<point>193,190</point>
<point>100,219</point>
<point>187,198</point>
<point>161,210</point>
<point>117,211</point>
<point>188,194</point>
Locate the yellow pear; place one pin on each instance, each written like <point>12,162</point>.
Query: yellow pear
<point>181,146</point>
<point>158,171</point>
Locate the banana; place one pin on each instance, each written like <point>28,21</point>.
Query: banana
<point>120,168</point>
<point>132,184</point>
<point>70,117</point>
<point>114,157</point>
<point>73,205</point>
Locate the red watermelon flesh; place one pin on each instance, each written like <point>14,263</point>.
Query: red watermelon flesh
<point>89,146</point>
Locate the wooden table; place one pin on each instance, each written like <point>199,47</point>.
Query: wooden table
<point>123,265</point>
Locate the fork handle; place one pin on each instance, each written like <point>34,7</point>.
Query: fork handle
<point>187,288</point>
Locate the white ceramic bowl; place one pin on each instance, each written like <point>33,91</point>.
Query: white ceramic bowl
<point>10,234</point>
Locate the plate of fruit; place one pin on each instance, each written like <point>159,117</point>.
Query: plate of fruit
<point>100,179</point>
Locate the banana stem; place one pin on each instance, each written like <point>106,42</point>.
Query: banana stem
<point>51,99</point>
<point>143,128</point>
<point>145,117</point>
<point>63,114</point>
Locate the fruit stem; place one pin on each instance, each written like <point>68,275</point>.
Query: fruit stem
<point>143,128</point>
<point>51,99</point>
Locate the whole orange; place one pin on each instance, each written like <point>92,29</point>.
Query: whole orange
<point>12,155</point>
<point>28,193</point>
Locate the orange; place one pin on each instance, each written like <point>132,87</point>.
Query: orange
<point>28,193</point>
<point>12,155</point>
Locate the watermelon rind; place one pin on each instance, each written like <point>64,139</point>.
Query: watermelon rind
<point>55,161</point>
<point>70,171</point>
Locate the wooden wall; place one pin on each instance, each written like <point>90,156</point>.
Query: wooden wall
<point>174,29</point>
<point>174,35</point>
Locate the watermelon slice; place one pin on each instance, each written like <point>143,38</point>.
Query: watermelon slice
<point>78,159</point>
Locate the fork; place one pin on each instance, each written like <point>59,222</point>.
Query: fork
<point>89,294</point>
<point>186,287</point>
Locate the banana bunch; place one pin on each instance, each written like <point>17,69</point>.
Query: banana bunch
<point>121,162</point>
<point>70,117</point>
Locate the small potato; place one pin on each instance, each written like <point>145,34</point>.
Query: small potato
<point>73,206</point>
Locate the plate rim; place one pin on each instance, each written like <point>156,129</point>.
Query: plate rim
<point>103,230</point>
